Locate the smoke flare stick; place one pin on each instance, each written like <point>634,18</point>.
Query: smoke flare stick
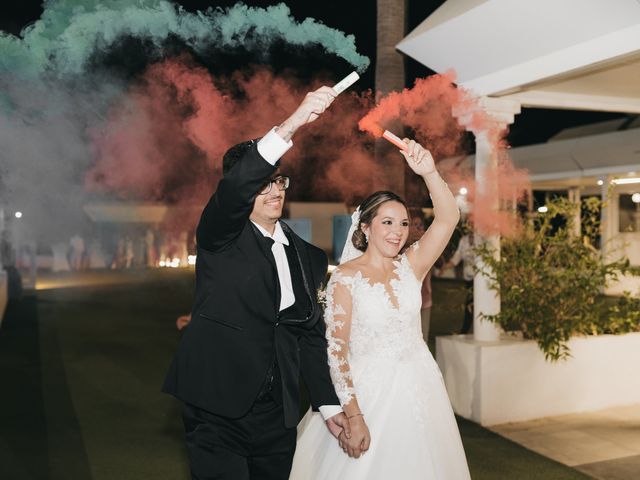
<point>346,82</point>
<point>397,141</point>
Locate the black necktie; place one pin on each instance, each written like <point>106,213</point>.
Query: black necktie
<point>268,241</point>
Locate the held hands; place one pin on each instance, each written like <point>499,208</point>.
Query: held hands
<point>313,105</point>
<point>339,424</point>
<point>418,158</point>
<point>360,438</point>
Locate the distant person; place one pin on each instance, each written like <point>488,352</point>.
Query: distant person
<point>151,259</point>
<point>76,252</point>
<point>119,255</point>
<point>464,253</point>
<point>128,252</point>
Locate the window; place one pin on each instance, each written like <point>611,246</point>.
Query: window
<point>629,216</point>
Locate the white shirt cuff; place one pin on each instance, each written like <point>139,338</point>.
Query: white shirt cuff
<point>328,411</point>
<point>272,146</point>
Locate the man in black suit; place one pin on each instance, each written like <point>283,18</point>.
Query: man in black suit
<point>256,324</point>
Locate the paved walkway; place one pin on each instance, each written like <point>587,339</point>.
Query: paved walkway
<point>603,444</point>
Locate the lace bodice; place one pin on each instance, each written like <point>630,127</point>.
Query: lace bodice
<point>364,319</point>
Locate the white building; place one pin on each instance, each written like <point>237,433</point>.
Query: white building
<point>574,54</point>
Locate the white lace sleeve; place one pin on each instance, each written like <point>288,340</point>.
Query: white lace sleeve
<point>337,317</point>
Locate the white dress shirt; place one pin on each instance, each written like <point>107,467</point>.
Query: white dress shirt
<point>287,298</point>
<point>271,147</point>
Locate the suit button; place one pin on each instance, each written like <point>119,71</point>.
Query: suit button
<point>277,323</point>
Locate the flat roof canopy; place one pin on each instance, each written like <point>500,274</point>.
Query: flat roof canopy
<point>574,54</point>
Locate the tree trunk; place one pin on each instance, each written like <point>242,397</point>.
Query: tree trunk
<point>390,76</point>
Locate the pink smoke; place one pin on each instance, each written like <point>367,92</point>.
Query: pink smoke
<point>428,109</point>
<point>165,139</point>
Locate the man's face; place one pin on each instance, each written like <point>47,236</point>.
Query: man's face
<point>267,207</point>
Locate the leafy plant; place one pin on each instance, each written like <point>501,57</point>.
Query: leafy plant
<point>551,279</point>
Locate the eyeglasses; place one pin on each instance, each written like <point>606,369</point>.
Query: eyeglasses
<point>281,181</point>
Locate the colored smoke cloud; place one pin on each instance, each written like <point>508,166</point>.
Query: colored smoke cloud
<point>166,137</point>
<point>428,109</point>
<point>67,120</point>
<point>69,32</point>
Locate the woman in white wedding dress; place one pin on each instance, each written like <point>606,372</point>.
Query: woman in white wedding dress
<point>389,385</point>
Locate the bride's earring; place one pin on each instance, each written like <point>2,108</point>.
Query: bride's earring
<point>366,237</point>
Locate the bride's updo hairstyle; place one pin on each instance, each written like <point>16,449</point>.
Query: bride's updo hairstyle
<point>368,211</point>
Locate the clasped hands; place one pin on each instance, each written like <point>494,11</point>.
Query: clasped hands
<point>352,433</point>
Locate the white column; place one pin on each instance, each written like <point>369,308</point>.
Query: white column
<point>485,300</point>
<point>574,196</point>
<point>608,214</point>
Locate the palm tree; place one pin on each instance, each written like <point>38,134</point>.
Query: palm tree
<point>390,76</point>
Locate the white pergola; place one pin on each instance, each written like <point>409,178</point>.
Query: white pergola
<point>569,54</point>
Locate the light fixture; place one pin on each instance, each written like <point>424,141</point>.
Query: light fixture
<point>635,198</point>
<point>626,181</point>
<point>463,190</point>
<point>543,209</point>
<point>18,214</point>
<point>600,182</point>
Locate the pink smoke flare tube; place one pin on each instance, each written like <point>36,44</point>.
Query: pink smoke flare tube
<point>390,137</point>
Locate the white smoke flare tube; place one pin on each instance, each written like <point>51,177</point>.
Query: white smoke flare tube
<point>346,82</point>
<point>397,141</point>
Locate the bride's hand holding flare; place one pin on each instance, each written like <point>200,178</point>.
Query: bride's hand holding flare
<point>418,158</point>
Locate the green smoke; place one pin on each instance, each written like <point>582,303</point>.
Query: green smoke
<point>70,31</point>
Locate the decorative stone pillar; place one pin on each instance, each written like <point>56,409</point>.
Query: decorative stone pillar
<point>485,300</point>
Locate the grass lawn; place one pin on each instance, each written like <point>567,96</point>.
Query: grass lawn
<point>81,372</point>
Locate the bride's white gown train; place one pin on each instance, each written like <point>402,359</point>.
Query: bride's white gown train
<point>398,385</point>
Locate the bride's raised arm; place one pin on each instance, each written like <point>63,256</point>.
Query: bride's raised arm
<point>337,317</point>
<point>445,209</point>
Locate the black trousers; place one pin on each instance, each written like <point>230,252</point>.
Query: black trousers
<point>468,308</point>
<point>254,447</point>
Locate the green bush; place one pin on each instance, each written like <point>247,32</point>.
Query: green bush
<point>551,280</point>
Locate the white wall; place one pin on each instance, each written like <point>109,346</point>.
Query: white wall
<point>510,381</point>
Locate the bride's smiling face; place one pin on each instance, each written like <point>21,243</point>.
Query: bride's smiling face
<point>389,229</point>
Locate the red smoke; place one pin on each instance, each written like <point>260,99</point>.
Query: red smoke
<point>428,109</point>
<point>165,139</point>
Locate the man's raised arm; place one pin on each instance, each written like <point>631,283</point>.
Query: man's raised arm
<point>248,167</point>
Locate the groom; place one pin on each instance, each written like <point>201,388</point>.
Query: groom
<point>256,324</point>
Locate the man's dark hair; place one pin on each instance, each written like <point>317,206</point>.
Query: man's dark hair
<point>233,154</point>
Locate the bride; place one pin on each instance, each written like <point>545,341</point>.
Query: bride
<point>389,385</point>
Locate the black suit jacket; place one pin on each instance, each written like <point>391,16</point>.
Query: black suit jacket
<point>236,330</point>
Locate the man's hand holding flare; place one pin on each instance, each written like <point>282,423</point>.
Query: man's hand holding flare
<point>313,105</point>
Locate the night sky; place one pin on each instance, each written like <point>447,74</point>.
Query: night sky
<point>352,17</point>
